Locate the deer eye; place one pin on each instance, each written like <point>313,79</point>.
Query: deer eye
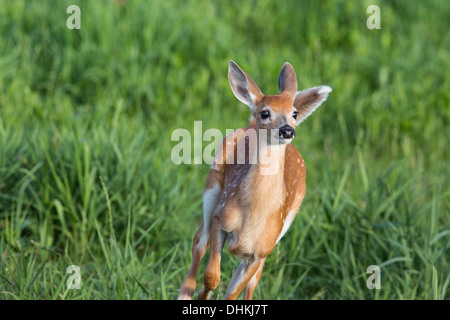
<point>265,114</point>
<point>295,114</point>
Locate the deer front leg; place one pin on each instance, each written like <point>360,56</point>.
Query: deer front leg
<point>246,270</point>
<point>212,273</point>
<point>248,291</point>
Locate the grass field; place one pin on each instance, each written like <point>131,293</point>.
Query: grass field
<point>86,117</point>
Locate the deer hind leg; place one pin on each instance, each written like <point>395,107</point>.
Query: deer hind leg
<point>201,241</point>
<point>198,251</point>
<point>242,276</point>
<point>248,291</point>
<point>212,273</point>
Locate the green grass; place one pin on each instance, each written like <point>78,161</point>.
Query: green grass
<point>86,118</point>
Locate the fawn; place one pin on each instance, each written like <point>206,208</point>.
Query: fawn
<point>251,203</point>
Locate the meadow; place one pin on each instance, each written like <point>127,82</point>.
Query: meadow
<point>86,118</point>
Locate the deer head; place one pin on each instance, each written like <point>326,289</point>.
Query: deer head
<point>278,114</point>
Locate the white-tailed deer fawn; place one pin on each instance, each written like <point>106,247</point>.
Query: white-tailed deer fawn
<point>251,203</point>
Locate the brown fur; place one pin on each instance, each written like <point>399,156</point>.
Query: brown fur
<point>249,209</point>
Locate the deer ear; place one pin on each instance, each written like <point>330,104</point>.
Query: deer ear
<point>287,81</point>
<point>309,100</point>
<point>243,87</point>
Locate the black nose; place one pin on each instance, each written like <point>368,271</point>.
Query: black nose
<point>287,132</point>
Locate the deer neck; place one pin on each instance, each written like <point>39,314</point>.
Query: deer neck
<point>265,181</point>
